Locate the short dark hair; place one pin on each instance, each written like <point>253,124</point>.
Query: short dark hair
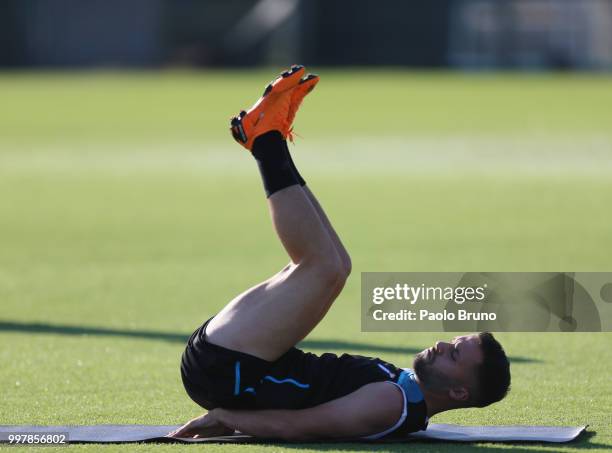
<point>493,374</point>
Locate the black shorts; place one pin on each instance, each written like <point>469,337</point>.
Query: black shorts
<point>215,376</point>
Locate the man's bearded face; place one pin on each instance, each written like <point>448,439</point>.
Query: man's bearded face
<point>447,365</point>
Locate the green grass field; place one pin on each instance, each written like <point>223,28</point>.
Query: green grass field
<point>128,216</point>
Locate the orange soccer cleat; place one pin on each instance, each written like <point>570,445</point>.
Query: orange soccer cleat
<point>276,108</point>
<point>305,86</point>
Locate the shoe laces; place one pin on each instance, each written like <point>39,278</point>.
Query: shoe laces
<point>291,134</point>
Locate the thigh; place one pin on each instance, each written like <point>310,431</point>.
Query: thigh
<point>214,376</point>
<point>270,318</point>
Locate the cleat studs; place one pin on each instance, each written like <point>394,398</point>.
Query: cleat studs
<point>242,113</point>
<point>308,77</point>
<point>267,90</point>
<point>238,134</point>
<point>294,68</point>
<point>241,133</point>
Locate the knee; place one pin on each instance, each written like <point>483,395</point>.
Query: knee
<point>332,270</point>
<point>347,265</point>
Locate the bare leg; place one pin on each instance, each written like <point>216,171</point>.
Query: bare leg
<point>345,259</point>
<point>344,256</point>
<point>273,316</point>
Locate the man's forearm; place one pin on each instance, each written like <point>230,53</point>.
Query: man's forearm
<point>261,423</point>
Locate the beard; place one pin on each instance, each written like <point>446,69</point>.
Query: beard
<point>431,378</point>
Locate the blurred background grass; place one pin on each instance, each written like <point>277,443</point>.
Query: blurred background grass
<point>128,216</point>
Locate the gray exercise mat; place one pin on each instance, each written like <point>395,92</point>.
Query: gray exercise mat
<point>435,432</point>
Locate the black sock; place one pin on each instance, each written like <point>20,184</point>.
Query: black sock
<point>274,162</point>
<point>293,167</point>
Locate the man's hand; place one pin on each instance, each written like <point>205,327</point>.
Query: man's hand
<point>204,426</point>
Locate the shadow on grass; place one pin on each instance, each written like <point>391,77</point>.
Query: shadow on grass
<point>315,345</point>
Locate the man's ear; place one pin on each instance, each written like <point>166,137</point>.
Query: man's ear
<point>459,394</point>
